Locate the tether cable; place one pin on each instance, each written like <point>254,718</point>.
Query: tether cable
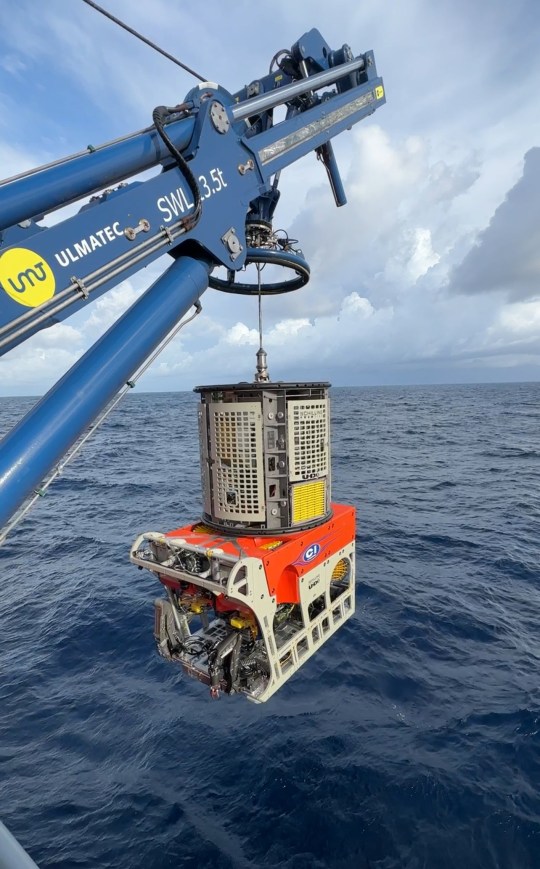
<point>261,372</point>
<point>259,294</point>
<point>143,38</point>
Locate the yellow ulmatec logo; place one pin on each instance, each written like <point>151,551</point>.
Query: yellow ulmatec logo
<point>26,277</point>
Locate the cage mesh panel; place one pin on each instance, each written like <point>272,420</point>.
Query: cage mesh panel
<point>308,501</point>
<point>308,438</point>
<point>237,460</point>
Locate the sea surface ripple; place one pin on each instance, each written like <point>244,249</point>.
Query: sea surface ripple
<point>410,740</point>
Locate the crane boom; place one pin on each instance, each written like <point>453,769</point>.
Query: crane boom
<point>220,155</point>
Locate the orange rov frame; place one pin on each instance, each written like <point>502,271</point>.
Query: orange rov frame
<point>243,613</point>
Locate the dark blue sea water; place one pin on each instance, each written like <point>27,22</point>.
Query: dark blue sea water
<point>412,739</point>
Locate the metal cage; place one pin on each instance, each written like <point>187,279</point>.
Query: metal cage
<point>265,455</point>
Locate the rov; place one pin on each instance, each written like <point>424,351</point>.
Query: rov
<point>265,578</point>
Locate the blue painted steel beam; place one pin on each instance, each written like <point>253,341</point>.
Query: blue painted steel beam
<point>37,443</point>
<point>49,188</point>
<point>326,153</point>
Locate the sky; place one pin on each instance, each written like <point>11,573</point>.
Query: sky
<point>430,273</point>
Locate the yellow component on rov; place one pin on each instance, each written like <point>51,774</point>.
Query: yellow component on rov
<point>240,622</point>
<point>308,501</point>
<point>201,529</point>
<point>196,604</point>
<point>341,569</point>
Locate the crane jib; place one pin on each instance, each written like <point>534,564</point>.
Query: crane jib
<point>220,156</point>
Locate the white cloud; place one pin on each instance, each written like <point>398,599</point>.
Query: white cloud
<point>423,256</point>
<point>107,309</point>
<point>285,331</point>
<point>522,318</point>
<point>354,304</point>
<point>240,335</point>
<point>62,334</point>
<point>34,369</point>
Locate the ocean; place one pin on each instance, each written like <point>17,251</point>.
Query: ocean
<point>411,739</point>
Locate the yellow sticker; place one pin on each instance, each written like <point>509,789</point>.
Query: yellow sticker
<point>26,277</point>
<point>379,92</point>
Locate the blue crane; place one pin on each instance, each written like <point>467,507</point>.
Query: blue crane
<point>211,206</point>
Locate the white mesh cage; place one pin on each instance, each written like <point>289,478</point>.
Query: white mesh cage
<point>236,452</point>
<point>308,436</point>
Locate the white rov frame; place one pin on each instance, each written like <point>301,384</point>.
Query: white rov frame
<point>249,587</point>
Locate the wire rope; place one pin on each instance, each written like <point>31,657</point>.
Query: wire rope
<point>143,38</point>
